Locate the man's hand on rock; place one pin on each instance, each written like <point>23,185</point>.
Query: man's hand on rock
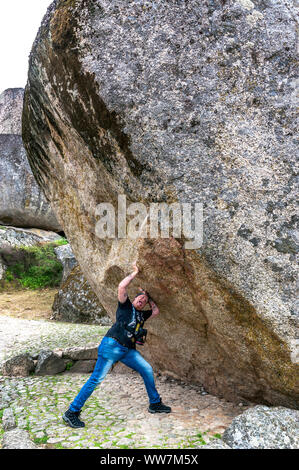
<point>135,267</point>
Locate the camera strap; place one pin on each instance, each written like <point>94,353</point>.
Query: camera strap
<point>135,322</point>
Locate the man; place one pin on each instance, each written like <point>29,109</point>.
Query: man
<point>119,344</point>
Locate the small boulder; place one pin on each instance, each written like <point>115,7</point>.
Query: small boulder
<point>120,368</point>
<point>80,354</point>
<point>83,367</point>
<point>75,300</point>
<point>67,258</point>
<point>21,365</point>
<point>49,363</point>
<point>263,427</point>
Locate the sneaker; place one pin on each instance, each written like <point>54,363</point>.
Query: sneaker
<point>159,408</point>
<point>72,418</point>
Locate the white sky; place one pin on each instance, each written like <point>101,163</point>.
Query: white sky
<point>19,23</point>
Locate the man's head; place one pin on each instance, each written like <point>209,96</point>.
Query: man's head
<point>140,301</point>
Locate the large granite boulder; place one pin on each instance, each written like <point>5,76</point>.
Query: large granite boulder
<point>180,102</point>
<point>262,427</point>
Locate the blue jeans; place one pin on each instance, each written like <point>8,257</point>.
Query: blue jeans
<point>109,352</point>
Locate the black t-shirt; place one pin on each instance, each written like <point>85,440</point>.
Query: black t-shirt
<point>124,315</point>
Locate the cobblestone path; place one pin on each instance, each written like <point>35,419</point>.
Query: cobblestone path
<point>116,414</point>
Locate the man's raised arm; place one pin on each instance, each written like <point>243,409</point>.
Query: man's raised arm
<point>122,286</point>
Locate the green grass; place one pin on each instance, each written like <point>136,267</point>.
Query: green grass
<point>199,437</point>
<point>96,444</point>
<point>58,446</point>
<point>33,267</point>
<point>62,241</point>
<point>41,440</point>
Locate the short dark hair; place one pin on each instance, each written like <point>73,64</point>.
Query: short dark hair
<point>141,293</point>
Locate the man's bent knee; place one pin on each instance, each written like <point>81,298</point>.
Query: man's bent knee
<point>146,369</point>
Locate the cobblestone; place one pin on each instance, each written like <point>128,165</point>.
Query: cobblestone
<point>116,415</point>
<point>20,335</point>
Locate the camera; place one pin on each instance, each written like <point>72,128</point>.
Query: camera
<point>140,336</point>
<point>138,333</point>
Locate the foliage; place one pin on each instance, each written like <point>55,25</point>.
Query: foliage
<point>33,267</point>
<point>41,440</point>
<point>69,365</point>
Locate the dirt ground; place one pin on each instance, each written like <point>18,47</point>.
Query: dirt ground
<point>28,304</point>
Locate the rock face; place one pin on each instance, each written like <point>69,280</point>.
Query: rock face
<point>11,107</point>
<point>180,102</point>
<point>264,428</point>
<point>22,202</point>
